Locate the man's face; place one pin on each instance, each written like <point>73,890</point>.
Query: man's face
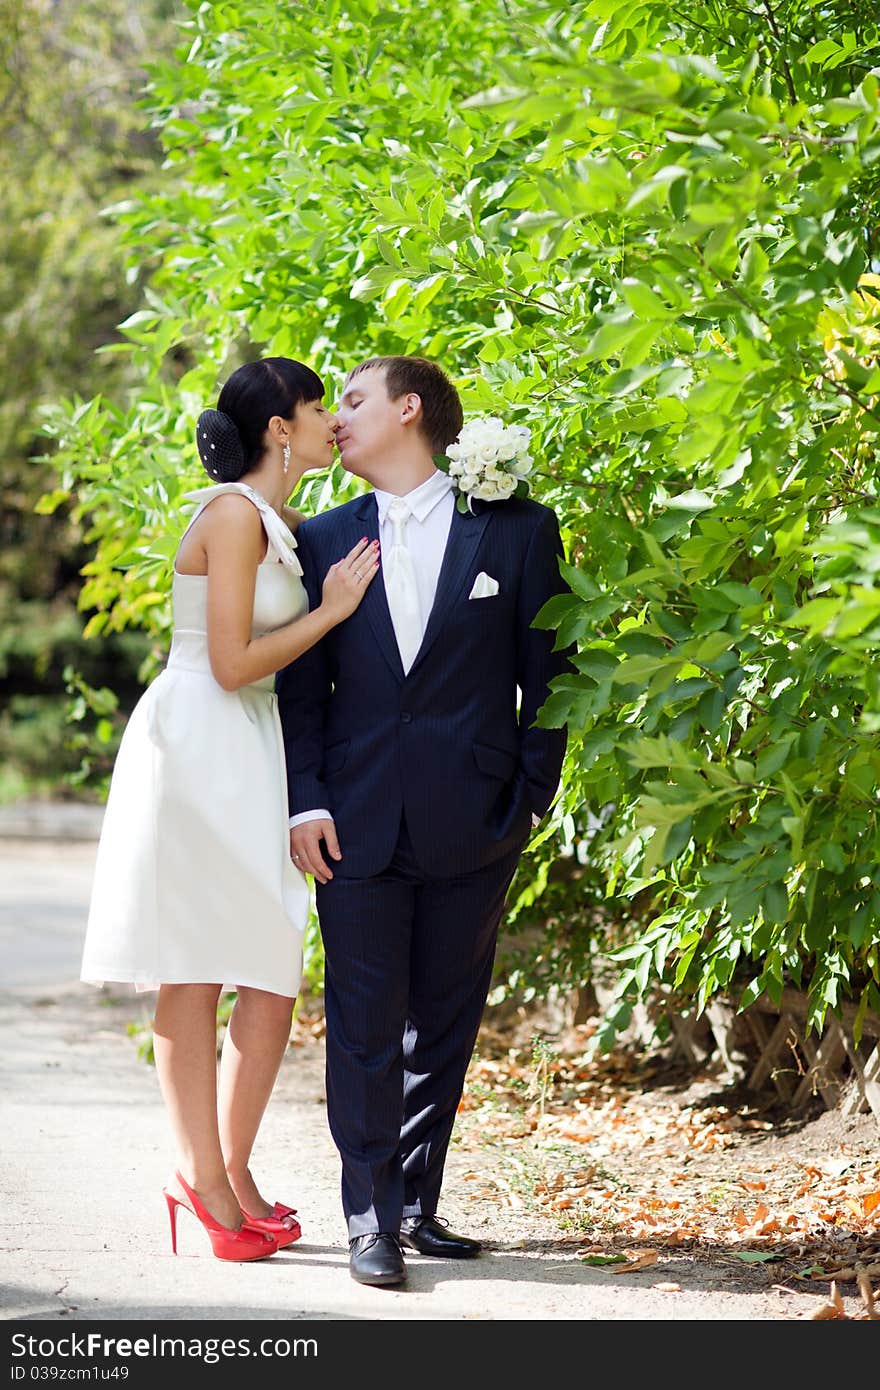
<point>368,423</point>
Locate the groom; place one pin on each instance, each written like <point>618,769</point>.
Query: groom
<point>415,778</point>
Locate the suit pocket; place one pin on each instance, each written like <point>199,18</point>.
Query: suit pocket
<point>495,762</point>
<point>335,756</point>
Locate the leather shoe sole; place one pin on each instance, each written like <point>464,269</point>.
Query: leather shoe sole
<point>376,1259</point>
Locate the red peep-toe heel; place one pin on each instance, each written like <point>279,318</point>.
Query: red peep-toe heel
<point>226,1243</point>
<point>282,1225</point>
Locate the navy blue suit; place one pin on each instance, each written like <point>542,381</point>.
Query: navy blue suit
<point>432,778</point>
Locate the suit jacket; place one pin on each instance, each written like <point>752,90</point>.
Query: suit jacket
<point>445,743</point>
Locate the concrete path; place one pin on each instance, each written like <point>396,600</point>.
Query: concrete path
<point>86,1152</point>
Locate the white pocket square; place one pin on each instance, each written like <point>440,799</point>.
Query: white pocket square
<point>484,586</point>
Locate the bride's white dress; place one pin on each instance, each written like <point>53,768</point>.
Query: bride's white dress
<point>193,880</point>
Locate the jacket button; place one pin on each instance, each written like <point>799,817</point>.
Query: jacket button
<point>406,717</point>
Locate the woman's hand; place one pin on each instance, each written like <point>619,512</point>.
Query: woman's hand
<point>348,580</point>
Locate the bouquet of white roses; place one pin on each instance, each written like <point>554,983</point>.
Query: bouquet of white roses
<point>489,460</point>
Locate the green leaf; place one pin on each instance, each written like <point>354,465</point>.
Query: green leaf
<point>773,758</point>
<point>580,583</point>
<point>821,50</point>
<point>692,501</point>
<point>775,903</point>
<point>643,300</point>
<point>816,614</point>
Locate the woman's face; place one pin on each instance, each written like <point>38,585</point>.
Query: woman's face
<point>312,435</point>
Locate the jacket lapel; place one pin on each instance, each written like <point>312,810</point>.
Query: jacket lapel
<point>465,534</point>
<point>374,603</point>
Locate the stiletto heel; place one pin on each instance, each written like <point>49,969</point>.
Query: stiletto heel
<point>172,1217</point>
<point>246,1243</point>
<point>281,1224</point>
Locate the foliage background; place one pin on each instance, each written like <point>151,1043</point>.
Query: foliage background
<point>650,235</point>
<point>71,142</point>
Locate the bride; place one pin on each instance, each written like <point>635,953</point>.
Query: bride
<point>194,889</point>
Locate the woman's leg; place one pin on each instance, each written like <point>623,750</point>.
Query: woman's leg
<point>185,1048</point>
<point>257,1035</point>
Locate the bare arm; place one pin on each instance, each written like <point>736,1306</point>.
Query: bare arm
<point>234,544</point>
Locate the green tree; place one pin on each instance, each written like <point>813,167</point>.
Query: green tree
<point>648,235</point>
<point>71,141</point>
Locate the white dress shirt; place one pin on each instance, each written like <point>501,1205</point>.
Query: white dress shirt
<point>427,531</point>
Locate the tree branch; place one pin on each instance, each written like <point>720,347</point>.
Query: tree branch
<point>789,81</point>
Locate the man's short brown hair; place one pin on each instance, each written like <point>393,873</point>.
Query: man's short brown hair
<point>442,415</point>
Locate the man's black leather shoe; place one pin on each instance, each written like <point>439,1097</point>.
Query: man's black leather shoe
<point>376,1258</point>
<point>429,1236</point>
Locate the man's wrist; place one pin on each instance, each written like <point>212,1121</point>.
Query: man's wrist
<point>303,817</point>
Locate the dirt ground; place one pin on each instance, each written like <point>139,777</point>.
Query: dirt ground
<point>650,1168</point>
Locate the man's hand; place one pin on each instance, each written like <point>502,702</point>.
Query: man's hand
<point>305,848</point>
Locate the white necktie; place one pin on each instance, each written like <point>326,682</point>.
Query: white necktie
<point>400,586</point>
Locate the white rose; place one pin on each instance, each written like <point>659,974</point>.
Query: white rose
<point>491,491</point>
<point>510,449</point>
<point>480,435</point>
<point>487,491</point>
<point>493,474</point>
<point>472,433</point>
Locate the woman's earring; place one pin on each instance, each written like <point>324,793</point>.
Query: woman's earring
<point>285,455</point>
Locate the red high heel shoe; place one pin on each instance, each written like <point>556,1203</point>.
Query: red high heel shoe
<point>226,1243</point>
<point>282,1225</point>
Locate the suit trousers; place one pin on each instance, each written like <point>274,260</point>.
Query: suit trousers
<point>408,964</point>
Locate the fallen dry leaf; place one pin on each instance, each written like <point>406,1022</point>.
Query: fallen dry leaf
<point>847,1276</point>
<point>637,1259</point>
<point>834,1309</point>
<point>867,1293</point>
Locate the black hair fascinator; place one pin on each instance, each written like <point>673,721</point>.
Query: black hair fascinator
<point>220,447</point>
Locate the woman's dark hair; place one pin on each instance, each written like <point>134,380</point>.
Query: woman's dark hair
<point>230,438</point>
